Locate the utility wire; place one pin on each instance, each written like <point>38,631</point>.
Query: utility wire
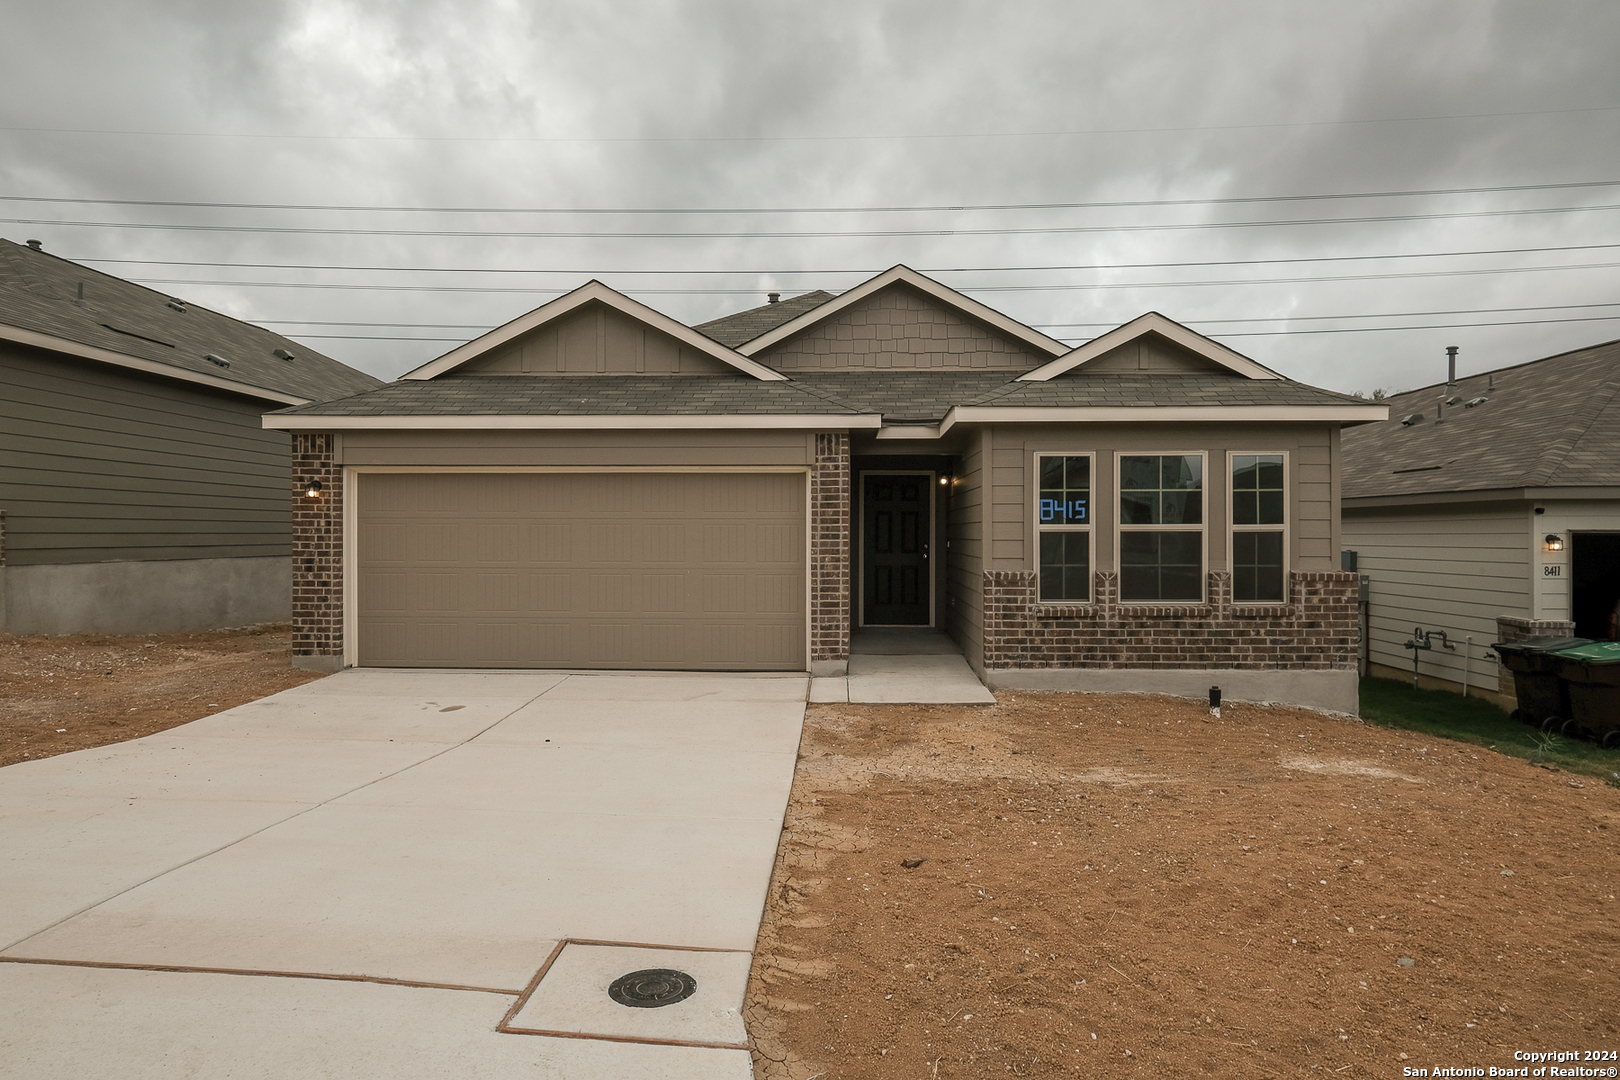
<point>1062,230</point>
<point>516,290</point>
<point>690,210</point>
<point>866,271</point>
<point>822,138</point>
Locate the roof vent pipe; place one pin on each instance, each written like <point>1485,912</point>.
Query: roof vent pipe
<point>772,297</point>
<point>1451,369</point>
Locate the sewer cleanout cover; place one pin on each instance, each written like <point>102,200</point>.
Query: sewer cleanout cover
<point>652,988</point>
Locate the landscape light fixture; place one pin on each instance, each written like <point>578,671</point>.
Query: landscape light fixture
<point>1554,542</point>
<point>312,490</point>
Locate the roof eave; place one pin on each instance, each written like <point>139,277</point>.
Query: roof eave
<point>1103,414</point>
<point>673,422</point>
<point>592,291</point>
<point>52,343</point>
<point>1501,494</point>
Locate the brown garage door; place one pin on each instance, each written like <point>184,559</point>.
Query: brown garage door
<point>587,570</point>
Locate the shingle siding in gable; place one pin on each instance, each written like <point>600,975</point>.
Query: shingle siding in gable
<point>595,341</point>
<point>102,465</point>
<point>899,328</point>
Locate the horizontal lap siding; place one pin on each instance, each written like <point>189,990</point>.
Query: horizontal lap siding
<point>1456,571</point>
<point>964,615</point>
<point>627,570</point>
<point>103,465</point>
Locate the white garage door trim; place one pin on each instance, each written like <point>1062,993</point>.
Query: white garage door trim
<point>351,526</point>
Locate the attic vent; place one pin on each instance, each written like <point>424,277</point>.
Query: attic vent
<point>1453,399</point>
<point>1411,418</point>
<point>1417,468</point>
<point>177,305</point>
<point>217,361</point>
<point>283,354</point>
<point>1471,402</point>
<point>133,334</point>
<point>773,298</point>
<point>37,245</point>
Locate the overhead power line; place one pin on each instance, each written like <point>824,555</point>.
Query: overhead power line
<point>915,136</point>
<point>865,270</point>
<point>1061,230</point>
<point>698,210</point>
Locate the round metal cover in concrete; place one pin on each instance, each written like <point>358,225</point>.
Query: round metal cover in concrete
<point>652,988</point>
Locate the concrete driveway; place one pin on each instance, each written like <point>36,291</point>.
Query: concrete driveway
<point>407,874</point>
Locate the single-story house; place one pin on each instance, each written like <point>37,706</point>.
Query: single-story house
<point>139,491</point>
<point>1488,507</point>
<point>596,485</point>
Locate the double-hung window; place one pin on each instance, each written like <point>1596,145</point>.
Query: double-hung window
<point>1259,527</point>
<point>1063,527</point>
<point>1161,528</point>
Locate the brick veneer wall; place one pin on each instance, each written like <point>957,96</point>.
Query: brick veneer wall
<point>1509,629</point>
<point>1318,629</point>
<point>317,549</point>
<point>829,550</point>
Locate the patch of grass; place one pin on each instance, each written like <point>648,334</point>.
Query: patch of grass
<point>1394,704</point>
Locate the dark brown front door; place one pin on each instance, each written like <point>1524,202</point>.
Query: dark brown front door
<point>894,549</point>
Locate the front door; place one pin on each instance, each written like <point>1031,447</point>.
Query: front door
<point>895,520</point>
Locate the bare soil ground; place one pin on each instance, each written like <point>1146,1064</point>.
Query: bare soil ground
<point>1087,885</point>
<point>1119,886</point>
<point>73,692</point>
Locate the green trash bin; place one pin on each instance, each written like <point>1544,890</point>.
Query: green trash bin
<point>1542,696</point>
<point>1591,674</point>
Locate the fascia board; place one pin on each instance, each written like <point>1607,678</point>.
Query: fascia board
<point>904,274</point>
<point>592,291</point>
<point>910,431</point>
<point>52,343</point>
<point>312,422</point>
<point>1147,414</point>
<point>1151,322</point>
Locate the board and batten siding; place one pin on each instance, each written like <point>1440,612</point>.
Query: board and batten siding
<point>964,553</point>
<point>1312,480</point>
<point>103,465</point>
<point>900,329</point>
<point>596,340</point>
<point>1454,568</point>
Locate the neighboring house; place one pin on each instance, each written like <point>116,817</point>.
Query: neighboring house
<point>1489,508</point>
<point>595,485</point>
<point>139,491</point>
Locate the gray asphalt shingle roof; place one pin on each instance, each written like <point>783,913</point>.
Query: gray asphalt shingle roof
<point>743,327</point>
<point>580,395</point>
<point>41,292</point>
<point>1553,422</point>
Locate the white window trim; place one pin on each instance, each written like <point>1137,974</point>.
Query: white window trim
<point>1203,529</point>
<point>1088,528</point>
<point>1232,527</point>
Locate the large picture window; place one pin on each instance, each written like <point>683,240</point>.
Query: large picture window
<point>1063,527</point>
<point>1259,527</point>
<point>1161,527</point>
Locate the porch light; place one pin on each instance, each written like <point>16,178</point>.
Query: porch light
<point>945,480</point>
<point>312,490</point>
<point>1554,542</point>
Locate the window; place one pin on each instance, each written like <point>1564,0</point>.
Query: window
<point>1063,527</point>
<point>1259,528</point>
<point>1161,527</point>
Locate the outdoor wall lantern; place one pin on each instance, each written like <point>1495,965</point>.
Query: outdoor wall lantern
<point>945,480</point>
<point>312,490</point>
<point>1554,542</point>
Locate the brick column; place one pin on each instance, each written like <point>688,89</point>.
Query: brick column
<point>1510,629</point>
<point>317,554</point>
<point>829,554</point>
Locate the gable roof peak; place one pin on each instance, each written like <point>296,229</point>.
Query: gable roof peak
<point>901,274</point>
<point>593,291</point>
<point>1152,322</point>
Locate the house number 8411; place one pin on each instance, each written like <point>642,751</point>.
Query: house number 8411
<point>1552,570</point>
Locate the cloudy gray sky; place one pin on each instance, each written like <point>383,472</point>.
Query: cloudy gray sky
<point>409,173</point>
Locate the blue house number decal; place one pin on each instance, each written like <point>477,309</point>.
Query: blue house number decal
<point>1064,513</point>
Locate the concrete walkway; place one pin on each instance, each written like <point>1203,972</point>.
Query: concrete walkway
<point>898,665</point>
<point>399,874</point>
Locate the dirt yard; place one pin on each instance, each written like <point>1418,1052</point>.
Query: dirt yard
<point>70,693</point>
<point>1097,886</point>
<point>1117,886</point>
